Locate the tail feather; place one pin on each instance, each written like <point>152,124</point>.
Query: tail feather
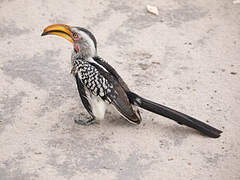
<point>179,117</point>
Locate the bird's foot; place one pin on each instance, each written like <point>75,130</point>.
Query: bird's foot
<point>85,122</point>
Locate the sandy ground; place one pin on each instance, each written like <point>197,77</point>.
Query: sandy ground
<point>186,58</point>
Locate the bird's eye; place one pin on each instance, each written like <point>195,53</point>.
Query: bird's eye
<point>75,35</point>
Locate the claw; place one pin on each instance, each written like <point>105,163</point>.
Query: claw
<point>85,122</point>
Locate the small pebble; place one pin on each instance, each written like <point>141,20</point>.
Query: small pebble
<point>37,153</point>
<point>233,73</point>
<point>154,62</point>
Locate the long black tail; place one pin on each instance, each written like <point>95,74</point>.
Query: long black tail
<point>174,115</point>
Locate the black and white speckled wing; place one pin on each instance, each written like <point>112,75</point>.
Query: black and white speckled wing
<point>93,80</point>
<point>103,84</point>
<point>118,78</point>
<point>83,95</point>
<point>112,71</point>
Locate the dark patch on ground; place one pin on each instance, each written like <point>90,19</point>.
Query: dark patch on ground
<point>186,13</point>
<point>177,133</point>
<point>139,19</point>
<point>120,38</point>
<point>43,70</point>
<point>164,144</point>
<point>11,169</point>
<point>83,156</point>
<point>15,174</point>
<point>37,69</point>
<point>101,17</point>
<point>9,105</point>
<point>3,1</point>
<point>134,167</point>
<point>56,19</point>
<point>212,159</point>
<point>120,6</point>
<point>9,29</point>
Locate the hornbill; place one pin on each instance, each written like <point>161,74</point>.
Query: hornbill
<point>99,84</point>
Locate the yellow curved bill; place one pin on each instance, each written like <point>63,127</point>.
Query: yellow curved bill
<point>62,30</point>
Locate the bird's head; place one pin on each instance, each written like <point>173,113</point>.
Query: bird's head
<point>84,42</point>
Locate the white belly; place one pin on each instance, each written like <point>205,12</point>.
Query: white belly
<point>98,107</point>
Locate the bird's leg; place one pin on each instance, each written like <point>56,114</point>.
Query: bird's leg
<point>85,122</point>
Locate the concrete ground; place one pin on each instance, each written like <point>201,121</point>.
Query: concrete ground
<point>187,58</point>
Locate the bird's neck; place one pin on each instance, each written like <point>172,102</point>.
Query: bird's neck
<point>81,54</point>
<point>84,50</point>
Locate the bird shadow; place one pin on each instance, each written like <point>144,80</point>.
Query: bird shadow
<point>172,130</point>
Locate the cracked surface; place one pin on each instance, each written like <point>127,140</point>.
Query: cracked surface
<point>186,58</point>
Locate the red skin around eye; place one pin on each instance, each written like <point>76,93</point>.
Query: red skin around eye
<point>77,38</point>
<point>76,47</point>
<point>75,43</point>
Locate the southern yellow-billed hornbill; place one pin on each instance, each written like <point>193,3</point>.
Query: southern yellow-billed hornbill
<point>99,84</point>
